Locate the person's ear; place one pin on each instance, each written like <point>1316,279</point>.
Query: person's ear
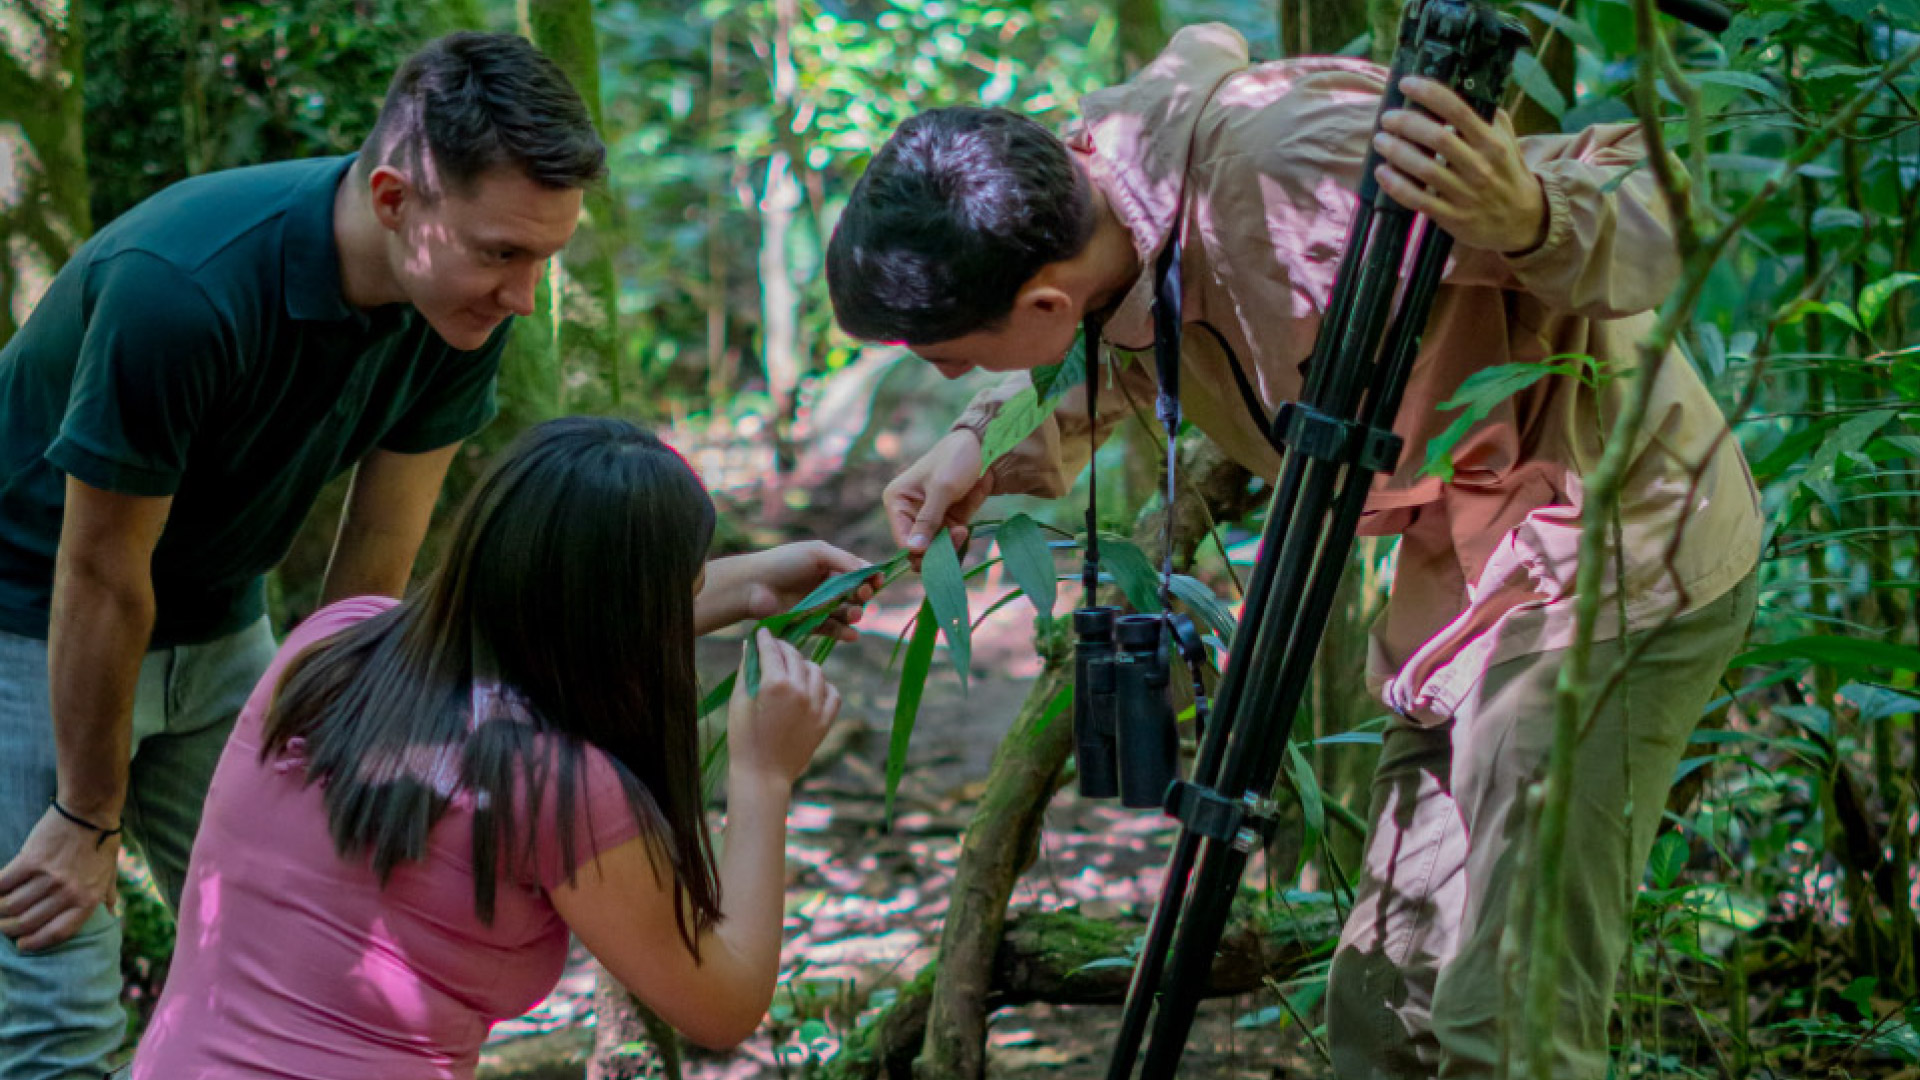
<point>391,195</point>
<point>1048,301</point>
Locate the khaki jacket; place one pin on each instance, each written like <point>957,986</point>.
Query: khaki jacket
<point>1260,165</point>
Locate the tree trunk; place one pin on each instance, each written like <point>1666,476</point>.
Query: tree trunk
<point>779,324</point>
<point>719,357</point>
<point>779,200</point>
<point>43,197</point>
<point>575,336</point>
<point>585,290</point>
<point>1320,27</point>
<point>1000,844</point>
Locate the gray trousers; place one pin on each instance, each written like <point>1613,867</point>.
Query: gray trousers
<point>60,1015</point>
<point>1417,987</point>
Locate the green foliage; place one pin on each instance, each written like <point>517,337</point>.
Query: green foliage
<point>906,705</point>
<point>699,100</point>
<point>174,89</point>
<point>1030,562</point>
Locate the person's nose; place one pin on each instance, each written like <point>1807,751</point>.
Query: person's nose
<point>518,291</point>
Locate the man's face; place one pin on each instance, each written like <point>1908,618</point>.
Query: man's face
<point>1029,338</point>
<point>469,260</point>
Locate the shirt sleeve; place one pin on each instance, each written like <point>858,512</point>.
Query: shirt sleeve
<point>151,364</point>
<point>458,401</point>
<point>602,817</point>
<point>1610,250</point>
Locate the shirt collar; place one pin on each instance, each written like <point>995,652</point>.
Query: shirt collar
<point>310,258</point>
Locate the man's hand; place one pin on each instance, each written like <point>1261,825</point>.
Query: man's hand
<point>769,582</point>
<point>1466,175</point>
<point>52,886</point>
<point>941,490</point>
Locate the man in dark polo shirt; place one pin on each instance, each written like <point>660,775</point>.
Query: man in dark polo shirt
<point>167,416</point>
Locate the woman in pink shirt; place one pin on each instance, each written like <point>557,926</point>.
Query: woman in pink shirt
<point>423,798</point>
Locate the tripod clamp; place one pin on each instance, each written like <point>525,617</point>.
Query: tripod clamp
<point>1246,824</point>
<point>1335,441</point>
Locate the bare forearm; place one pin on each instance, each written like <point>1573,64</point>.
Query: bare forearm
<point>723,598</point>
<point>753,877</point>
<point>368,563</point>
<point>98,634</point>
<point>386,516</point>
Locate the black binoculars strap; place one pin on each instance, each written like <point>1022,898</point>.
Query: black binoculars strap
<point>1248,396</point>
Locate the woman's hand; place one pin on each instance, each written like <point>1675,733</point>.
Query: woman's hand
<point>775,733</point>
<point>1468,176</point>
<point>769,582</point>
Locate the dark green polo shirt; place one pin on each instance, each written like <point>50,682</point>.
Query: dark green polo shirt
<point>199,347</point>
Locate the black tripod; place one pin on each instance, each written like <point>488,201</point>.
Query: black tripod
<point>1335,440</point>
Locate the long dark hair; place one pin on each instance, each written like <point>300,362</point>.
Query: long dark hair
<point>569,582</point>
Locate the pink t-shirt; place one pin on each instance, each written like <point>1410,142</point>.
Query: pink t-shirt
<point>294,962</point>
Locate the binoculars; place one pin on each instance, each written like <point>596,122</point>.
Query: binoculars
<point>1123,722</point>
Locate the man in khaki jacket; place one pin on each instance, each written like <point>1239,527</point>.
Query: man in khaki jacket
<point>979,240</point>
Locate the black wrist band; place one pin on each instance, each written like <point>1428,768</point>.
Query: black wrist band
<point>105,834</point>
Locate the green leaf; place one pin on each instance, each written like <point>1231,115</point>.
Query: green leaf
<point>1054,708</point>
<point>1860,992</point>
<point>1793,448</point>
<point>1833,309</point>
<point>752,665</point>
<point>1879,702</point>
<point>1839,653</point>
<point>1873,298</point>
<point>1669,858</point>
<point>906,707</point>
<point>1023,414</point>
<point>1030,562</point>
<point>1740,80</point>
<point>947,592</point>
<point>1832,219</point>
<point>1052,382</point>
<point>1312,804</point>
<point>1359,738</point>
<point>834,588</point>
<point>1847,439</point>
<point>718,696</point>
<point>1202,602</point>
<point>1575,30</point>
<point>1479,395</point>
<point>1130,570</point>
<point>1538,84</point>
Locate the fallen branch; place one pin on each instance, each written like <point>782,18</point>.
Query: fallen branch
<point>1063,958</point>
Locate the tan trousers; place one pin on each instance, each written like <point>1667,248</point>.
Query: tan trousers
<point>1416,988</point>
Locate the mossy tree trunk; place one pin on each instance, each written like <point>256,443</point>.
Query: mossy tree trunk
<point>566,357</point>
<point>44,215</point>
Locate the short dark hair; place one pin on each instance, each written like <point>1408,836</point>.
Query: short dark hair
<point>480,101</point>
<point>955,214</point>
<point>569,585</point>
